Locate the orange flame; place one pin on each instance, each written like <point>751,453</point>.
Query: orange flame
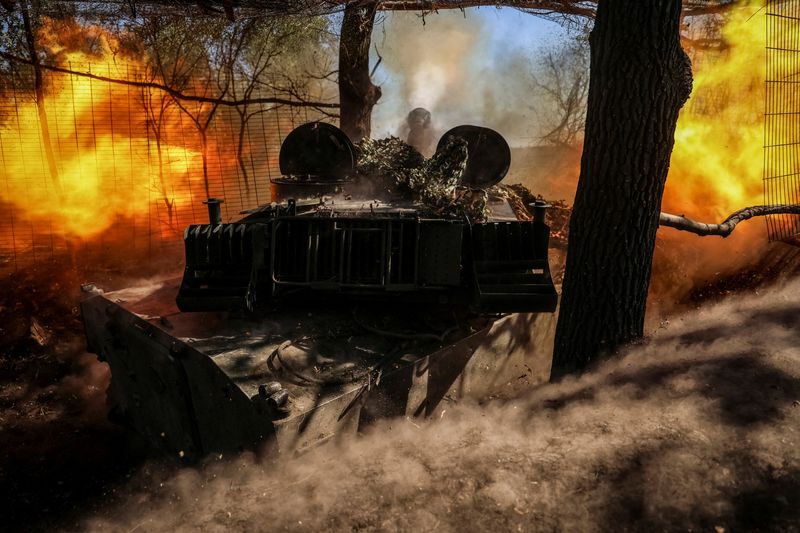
<point>106,167</point>
<point>106,175</point>
<point>717,163</point>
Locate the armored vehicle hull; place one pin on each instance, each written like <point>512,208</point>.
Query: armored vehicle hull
<point>196,383</point>
<point>307,319</point>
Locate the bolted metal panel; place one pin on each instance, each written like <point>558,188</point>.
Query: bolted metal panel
<point>440,262</point>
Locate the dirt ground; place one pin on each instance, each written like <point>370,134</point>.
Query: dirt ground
<point>59,455</point>
<point>695,430</point>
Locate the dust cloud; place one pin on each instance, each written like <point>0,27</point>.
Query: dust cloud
<point>696,429</point>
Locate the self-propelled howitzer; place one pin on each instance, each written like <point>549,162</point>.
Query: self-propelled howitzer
<point>349,241</point>
<point>365,290</point>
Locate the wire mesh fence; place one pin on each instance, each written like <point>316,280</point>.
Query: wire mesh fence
<point>92,167</point>
<point>782,116</point>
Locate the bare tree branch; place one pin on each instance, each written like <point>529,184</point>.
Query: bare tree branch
<point>705,44</point>
<point>320,106</point>
<point>377,63</point>
<point>581,8</point>
<point>724,229</point>
<point>707,7</point>
<point>562,77</point>
<point>270,8</point>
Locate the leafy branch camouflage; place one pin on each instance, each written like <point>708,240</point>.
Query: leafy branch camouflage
<point>433,182</point>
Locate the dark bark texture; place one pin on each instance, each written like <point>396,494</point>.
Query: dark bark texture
<point>357,93</point>
<point>38,88</point>
<point>640,79</point>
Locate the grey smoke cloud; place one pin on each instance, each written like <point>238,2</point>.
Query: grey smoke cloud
<point>695,429</point>
<point>456,68</point>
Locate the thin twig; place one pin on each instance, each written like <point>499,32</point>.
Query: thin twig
<point>175,93</point>
<point>724,229</point>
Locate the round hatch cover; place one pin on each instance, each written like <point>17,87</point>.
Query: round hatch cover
<point>317,149</point>
<point>488,155</point>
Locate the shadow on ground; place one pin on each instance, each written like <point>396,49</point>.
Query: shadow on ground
<point>696,429</point>
<point>59,456</point>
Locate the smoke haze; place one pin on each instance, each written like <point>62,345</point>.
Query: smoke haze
<point>453,65</point>
<point>695,429</point>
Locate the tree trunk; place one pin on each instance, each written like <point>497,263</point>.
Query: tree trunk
<point>640,78</point>
<point>243,118</point>
<point>38,88</point>
<point>357,93</point>
<point>161,178</point>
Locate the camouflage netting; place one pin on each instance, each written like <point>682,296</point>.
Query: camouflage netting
<point>519,197</point>
<point>387,158</point>
<point>433,182</point>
